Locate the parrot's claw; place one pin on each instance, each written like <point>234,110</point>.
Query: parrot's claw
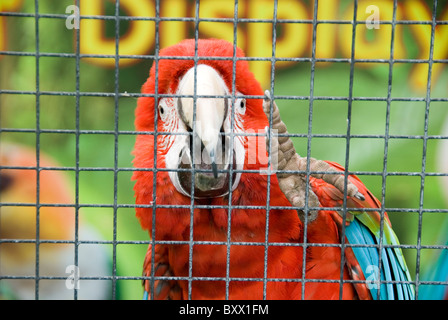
<point>360,196</point>
<point>294,185</point>
<point>268,96</point>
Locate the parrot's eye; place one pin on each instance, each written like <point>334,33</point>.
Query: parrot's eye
<point>241,105</point>
<point>163,110</point>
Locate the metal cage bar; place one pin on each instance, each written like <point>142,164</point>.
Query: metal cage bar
<point>36,4</point>
<point>425,144</point>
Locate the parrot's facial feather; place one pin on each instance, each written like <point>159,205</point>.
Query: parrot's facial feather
<point>206,146</point>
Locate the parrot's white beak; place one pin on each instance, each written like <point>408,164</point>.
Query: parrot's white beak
<point>206,150</point>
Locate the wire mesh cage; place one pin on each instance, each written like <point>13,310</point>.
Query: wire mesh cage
<point>362,83</point>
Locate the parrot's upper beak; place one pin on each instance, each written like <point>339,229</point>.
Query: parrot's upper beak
<point>205,150</point>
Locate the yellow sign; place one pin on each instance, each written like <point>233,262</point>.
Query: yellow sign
<point>333,40</point>
<point>294,31</point>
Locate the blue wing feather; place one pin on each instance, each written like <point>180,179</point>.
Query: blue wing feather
<point>397,273</point>
<point>368,258</point>
<point>386,269</point>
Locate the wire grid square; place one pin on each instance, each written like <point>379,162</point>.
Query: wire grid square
<point>311,97</point>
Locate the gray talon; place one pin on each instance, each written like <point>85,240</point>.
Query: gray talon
<point>360,196</point>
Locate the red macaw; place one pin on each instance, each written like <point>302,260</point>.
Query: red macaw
<point>197,125</point>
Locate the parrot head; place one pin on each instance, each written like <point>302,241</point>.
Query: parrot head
<point>201,118</point>
<point>206,148</point>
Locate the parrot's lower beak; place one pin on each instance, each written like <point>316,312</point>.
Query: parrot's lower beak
<point>211,171</point>
<point>213,164</point>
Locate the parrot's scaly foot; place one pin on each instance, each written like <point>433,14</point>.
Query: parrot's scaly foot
<point>294,185</point>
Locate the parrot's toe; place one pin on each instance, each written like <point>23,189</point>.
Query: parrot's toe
<point>360,196</point>
<point>268,95</point>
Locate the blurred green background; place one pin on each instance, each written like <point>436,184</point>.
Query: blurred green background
<point>58,111</point>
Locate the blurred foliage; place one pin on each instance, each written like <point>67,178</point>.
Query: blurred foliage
<point>59,111</point>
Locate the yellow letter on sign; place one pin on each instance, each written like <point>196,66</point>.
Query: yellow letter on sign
<point>326,32</point>
<point>419,11</point>
<point>172,32</point>
<point>295,38</point>
<point>138,39</point>
<point>292,38</point>
<point>221,30</point>
<point>259,38</point>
